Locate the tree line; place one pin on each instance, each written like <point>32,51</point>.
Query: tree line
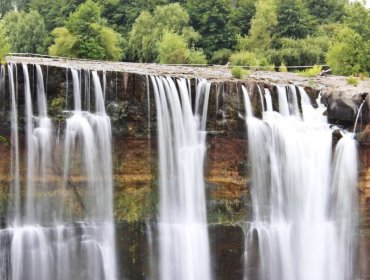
<point>264,33</point>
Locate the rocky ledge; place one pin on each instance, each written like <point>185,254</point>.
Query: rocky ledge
<point>341,99</point>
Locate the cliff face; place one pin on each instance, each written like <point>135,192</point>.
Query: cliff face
<point>130,104</point>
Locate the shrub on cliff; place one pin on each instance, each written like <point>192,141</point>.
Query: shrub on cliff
<point>239,72</point>
<point>221,56</point>
<point>197,56</point>
<point>86,36</point>
<point>244,58</point>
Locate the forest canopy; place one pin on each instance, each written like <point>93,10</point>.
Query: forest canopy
<point>256,33</point>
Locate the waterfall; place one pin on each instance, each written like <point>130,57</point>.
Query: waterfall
<point>15,186</point>
<point>183,234</point>
<point>358,115</point>
<point>283,101</point>
<point>293,104</point>
<point>303,218</point>
<point>61,226</point>
<point>268,100</point>
<point>261,99</point>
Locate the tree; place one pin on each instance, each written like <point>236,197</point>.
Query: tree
<point>241,15</point>
<point>293,52</point>
<point>55,12</point>
<point>348,53</point>
<point>197,56</point>
<point>21,5</point>
<point>64,42</point>
<point>4,44</point>
<point>149,29</point>
<point>358,18</point>
<point>173,49</point>
<point>5,6</point>
<point>25,31</point>
<point>85,35</point>
<point>121,14</point>
<point>326,11</point>
<point>294,20</point>
<point>212,19</point>
<point>262,26</point>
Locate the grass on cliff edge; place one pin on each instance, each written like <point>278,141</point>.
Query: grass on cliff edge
<point>239,72</point>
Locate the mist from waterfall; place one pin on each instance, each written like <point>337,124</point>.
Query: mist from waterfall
<point>304,197</point>
<point>182,224</point>
<point>60,225</point>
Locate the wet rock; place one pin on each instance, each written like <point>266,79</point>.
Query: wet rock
<point>340,106</point>
<point>366,108</point>
<point>364,136</point>
<point>227,247</point>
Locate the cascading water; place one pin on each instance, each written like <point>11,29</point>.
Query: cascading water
<point>303,218</point>
<point>358,115</point>
<point>62,227</point>
<point>268,100</point>
<point>182,226</point>
<point>15,186</point>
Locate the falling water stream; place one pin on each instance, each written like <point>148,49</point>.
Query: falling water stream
<point>303,196</point>
<point>182,226</point>
<point>60,228</point>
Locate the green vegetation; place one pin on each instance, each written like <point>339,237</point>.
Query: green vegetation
<point>295,52</point>
<point>283,67</point>
<point>26,32</point>
<point>352,81</point>
<point>4,44</point>
<point>294,20</point>
<point>312,72</point>
<point>244,58</point>
<point>4,140</point>
<point>348,53</point>
<point>221,56</point>
<point>260,33</point>
<point>173,49</point>
<point>197,56</point>
<point>152,33</point>
<point>239,72</point>
<point>85,36</point>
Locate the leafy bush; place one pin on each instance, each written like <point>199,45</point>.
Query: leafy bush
<point>311,72</point>
<point>221,56</point>
<point>173,49</point>
<point>26,32</point>
<point>270,67</point>
<point>363,76</point>
<point>149,28</point>
<point>352,81</point>
<point>197,56</point>
<point>85,35</point>
<point>283,68</point>
<point>4,45</point>
<point>267,66</point>
<point>238,72</point>
<point>308,51</point>
<point>347,54</point>
<point>244,59</point>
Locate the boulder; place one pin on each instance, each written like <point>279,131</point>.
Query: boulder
<point>341,106</point>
